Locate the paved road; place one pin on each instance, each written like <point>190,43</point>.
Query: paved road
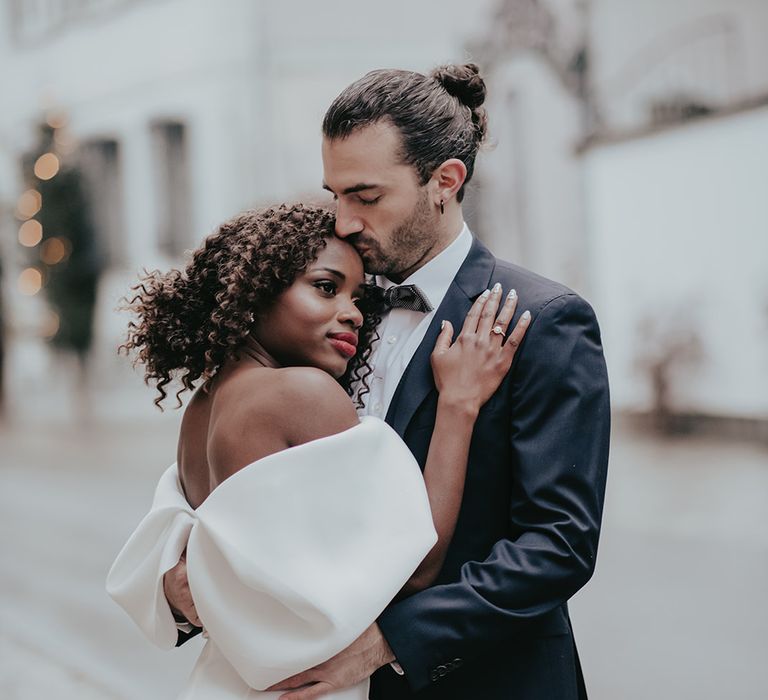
<point>676,609</point>
<point>67,503</point>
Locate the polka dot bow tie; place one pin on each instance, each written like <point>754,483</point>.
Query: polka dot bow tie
<point>406,296</point>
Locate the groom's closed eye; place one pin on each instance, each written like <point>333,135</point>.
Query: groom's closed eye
<point>354,189</point>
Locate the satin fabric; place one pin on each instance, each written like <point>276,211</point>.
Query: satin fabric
<point>289,560</point>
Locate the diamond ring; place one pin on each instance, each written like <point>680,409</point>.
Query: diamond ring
<point>497,330</point>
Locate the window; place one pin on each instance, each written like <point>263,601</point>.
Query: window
<point>100,160</point>
<point>169,145</point>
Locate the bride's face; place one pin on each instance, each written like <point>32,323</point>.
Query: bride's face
<point>315,322</point>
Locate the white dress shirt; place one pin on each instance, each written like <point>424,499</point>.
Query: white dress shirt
<point>401,330</point>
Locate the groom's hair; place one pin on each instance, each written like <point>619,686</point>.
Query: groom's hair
<point>439,116</point>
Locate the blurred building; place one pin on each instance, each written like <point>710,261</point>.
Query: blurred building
<point>630,148</point>
<point>631,163</point>
<point>181,114</point>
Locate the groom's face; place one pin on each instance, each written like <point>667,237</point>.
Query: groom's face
<point>382,209</point>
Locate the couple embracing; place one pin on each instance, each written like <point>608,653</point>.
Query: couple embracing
<point>386,490</point>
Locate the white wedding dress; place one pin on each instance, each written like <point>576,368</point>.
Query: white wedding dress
<point>289,560</point>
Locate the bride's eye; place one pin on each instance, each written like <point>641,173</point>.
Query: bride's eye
<point>326,286</point>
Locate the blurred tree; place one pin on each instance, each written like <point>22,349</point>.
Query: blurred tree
<point>66,256</point>
<point>666,346</point>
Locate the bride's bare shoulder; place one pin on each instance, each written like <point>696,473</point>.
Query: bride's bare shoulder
<point>261,411</point>
<point>283,392</point>
<point>309,403</point>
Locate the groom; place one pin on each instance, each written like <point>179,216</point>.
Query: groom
<point>398,150</point>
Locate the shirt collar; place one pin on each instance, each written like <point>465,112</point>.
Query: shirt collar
<point>435,277</point>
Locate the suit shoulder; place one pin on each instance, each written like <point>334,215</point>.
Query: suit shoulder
<point>530,281</point>
<point>535,291</point>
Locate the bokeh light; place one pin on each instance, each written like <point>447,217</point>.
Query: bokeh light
<point>30,233</point>
<point>30,281</point>
<point>51,324</point>
<point>46,166</point>
<point>53,251</point>
<point>28,204</point>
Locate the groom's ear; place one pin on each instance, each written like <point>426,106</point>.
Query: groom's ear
<point>448,177</point>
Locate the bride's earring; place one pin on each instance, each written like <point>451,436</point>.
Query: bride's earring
<point>442,207</point>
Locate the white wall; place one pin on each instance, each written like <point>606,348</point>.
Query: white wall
<point>710,48</point>
<point>678,226</point>
<point>530,181</point>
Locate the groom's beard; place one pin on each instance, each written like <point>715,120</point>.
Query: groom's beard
<point>399,255</point>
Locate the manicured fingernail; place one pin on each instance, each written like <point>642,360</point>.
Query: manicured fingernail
<point>526,316</point>
<point>442,325</point>
<point>497,287</point>
<point>512,294</point>
<point>485,294</point>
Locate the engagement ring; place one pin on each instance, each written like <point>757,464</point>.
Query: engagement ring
<point>498,330</point>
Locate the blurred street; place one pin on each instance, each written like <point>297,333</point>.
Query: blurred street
<point>68,500</point>
<point>676,609</point>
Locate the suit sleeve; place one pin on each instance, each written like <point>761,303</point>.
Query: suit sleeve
<point>184,635</point>
<point>559,446</point>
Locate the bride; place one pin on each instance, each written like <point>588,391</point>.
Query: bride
<point>299,522</point>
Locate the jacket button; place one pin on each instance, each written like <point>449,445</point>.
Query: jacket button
<point>457,663</point>
<point>442,670</point>
<point>433,675</point>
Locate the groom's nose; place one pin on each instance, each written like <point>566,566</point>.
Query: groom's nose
<point>347,223</point>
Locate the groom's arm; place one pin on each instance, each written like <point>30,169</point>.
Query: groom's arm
<point>179,598</point>
<point>559,438</point>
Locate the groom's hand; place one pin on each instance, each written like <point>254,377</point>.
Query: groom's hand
<point>359,660</point>
<point>177,593</point>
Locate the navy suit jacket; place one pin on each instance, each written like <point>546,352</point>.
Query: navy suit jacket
<point>495,623</point>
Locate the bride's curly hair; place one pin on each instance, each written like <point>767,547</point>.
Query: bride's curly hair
<point>190,321</point>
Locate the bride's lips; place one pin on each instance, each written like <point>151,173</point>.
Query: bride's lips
<point>345,343</point>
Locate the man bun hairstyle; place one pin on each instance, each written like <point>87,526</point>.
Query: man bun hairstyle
<point>439,116</point>
<point>466,85</point>
<point>463,82</point>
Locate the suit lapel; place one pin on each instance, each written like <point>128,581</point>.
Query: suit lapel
<point>417,381</point>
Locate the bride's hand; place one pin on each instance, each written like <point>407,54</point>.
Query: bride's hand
<point>468,371</point>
